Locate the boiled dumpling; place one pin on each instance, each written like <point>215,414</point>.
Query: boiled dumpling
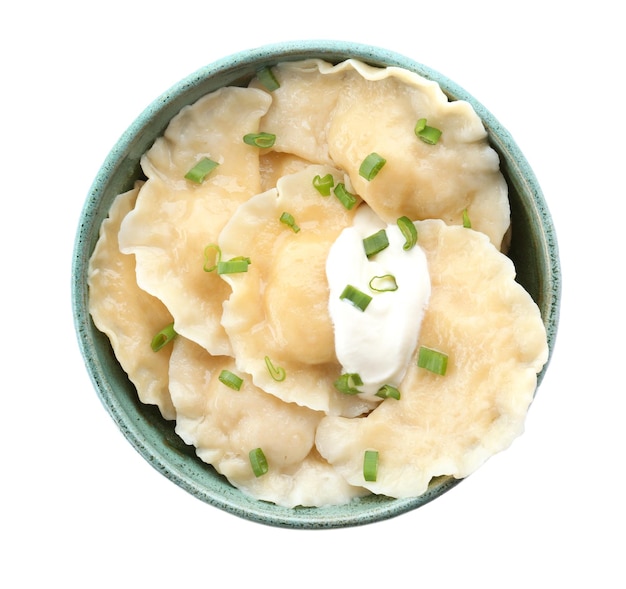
<point>279,308</point>
<point>495,340</point>
<point>129,316</point>
<point>339,114</point>
<point>225,424</point>
<point>175,219</point>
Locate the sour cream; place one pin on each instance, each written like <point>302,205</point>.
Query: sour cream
<point>377,343</point>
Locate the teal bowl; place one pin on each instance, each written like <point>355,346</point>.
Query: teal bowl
<point>534,251</point>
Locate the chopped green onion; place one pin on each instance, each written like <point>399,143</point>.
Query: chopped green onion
<point>432,360</point>
<point>233,266</point>
<point>164,337</point>
<point>259,139</point>
<point>370,465</point>
<point>287,219</point>
<point>323,184</point>
<point>230,379</point>
<point>385,283</point>
<point>276,372</point>
<point>407,227</point>
<point>347,199</point>
<point>426,133</point>
<point>375,243</point>
<point>258,462</point>
<point>420,126</point>
<point>388,391</point>
<point>348,383</point>
<point>466,220</point>
<point>211,262</point>
<point>371,165</point>
<point>201,170</point>
<point>355,297</point>
<point>268,79</point>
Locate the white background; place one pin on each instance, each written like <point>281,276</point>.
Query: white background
<point>80,508</point>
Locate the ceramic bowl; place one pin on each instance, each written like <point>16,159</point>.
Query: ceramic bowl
<point>533,249</point>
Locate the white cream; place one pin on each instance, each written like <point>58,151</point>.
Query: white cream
<point>377,343</point>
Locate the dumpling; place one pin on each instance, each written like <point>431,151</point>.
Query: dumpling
<point>129,316</point>
<point>495,340</point>
<point>351,109</point>
<point>226,424</point>
<point>175,219</point>
<point>279,308</point>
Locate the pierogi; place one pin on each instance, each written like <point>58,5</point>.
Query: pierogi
<point>224,426</point>
<point>451,424</point>
<point>237,260</point>
<point>128,315</point>
<point>289,269</point>
<point>174,218</point>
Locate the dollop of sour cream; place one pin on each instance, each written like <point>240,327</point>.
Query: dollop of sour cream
<point>377,343</point>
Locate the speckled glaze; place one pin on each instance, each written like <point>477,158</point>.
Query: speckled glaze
<point>534,251</point>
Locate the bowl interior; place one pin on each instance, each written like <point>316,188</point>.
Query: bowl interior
<point>533,250</point>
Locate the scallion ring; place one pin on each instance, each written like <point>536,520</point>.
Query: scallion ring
<point>263,140</point>
<point>409,232</point>
<point>432,360</point>
<point>370,465</point>
<point>276,372</point>
<point>388,391</point>
<point>371,165</point>
<point>324,184</point>
<point>377,242</point>
<point>233,266</point>
<point>268,79</point>
<point>211,261</point>
<point>385,283</point>
<point>230,379</point>
<point>258,462</point>
<point>427,133</point>
<point>467,223</point>
<point>348,383</point>
<point>288,219</point>
<point>355,297</point>
<point>201,170</point>
<point>347,199</point>
<point>164,337</point>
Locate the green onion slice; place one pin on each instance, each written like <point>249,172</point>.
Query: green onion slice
<point>287,219</point>
<point>371,165</point>
<point>201,170</point>
<point>426,133</point>
<point>388,391</point>
<point>347,199</point>
<point>230,379</point>
<point>375,243</point>
<point>370,465</point>
<point>233,266</point>
<point>276,372</point>
<point>211,260</point>
<point>409,232</point>
<point>258,462</point>
<point>262,140</point>
<point>268,79</point>
<point>385,283</point>
<point>432,360</point>
<point>467,223</point>
<point>164,337</point>
<point>324,184</point>
<point>348,383</point>
<point>355,297</point>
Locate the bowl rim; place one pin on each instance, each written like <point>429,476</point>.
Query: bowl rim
<point>332,50</point>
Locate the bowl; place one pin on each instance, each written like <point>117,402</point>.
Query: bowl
<point>533,249</point>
